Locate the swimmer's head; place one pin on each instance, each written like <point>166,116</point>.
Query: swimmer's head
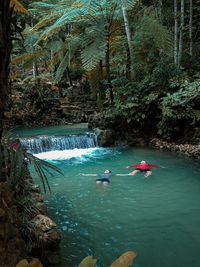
<point>107,171</point>
<point>143,162</point>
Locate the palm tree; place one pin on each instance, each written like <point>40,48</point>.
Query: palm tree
<point>127,5</point>
<point>190,27</point>
<point>96,20</point>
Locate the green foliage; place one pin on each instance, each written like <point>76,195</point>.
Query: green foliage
<point>13,162</point>
<point>43,168</point>
<point>71,34</point>
<point>135,104</point>
<point>71,45</point>
<point>150,30</point>
<point>180,106</point>
<point>15,178</point>
<point>94,46</point>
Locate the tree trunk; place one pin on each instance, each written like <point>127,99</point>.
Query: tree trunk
<point>160,4</point>
<point>128,35</point>
<point>35,72</point>
<point>128,65</point>
<point>190,28</point>
<point>175,33</point>
<point>108,76</point>
<point>101,94</point>
<point>5,51</point>
<point>181,33</point>
<point>69,76</point>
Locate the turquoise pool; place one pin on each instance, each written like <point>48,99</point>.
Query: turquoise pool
<point>158,217</point>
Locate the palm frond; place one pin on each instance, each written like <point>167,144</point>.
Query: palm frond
<point>41,167</point>
<point>28,57</point>
<point>64,63</point>
<point>72,45</point>
<point>161,36</point>
<point>128,4</point>
<point>45,21</point>
<point>18,7</point>
<point>43,76</point>
<point>58,49</point>
<point>69,16</point>
<point>43,5</point>
<point>23,58</point>
<point>94,46</point>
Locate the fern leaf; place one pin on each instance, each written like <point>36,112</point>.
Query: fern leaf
<point>44,22</point>
<point>94,46</point>
<point>128,4</point>
<point>55,59</point>
<point>92,54</point>
<point>23,58</point>
<point>73,42</point>
<point>64,63</point>
<point>28,57</point>
<point>163,38</point>
<point>18,7</point>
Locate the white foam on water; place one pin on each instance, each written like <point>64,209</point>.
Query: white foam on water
<point>68,154</point>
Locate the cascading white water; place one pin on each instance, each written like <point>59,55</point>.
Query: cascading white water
<point>53,143</point>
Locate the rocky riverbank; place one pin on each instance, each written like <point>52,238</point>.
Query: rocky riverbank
<point>186,149</point>
<point>26,231</point>
<point>113,130</point>
<point>12,246</point>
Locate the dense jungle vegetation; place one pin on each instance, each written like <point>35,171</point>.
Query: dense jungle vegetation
<point>140,58</point>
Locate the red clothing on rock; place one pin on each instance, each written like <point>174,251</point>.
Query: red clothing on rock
<point>144,166</point>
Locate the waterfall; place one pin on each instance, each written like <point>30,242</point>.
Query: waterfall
<point>51,143</point>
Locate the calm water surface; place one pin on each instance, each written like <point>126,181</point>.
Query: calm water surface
<point>158,217</point>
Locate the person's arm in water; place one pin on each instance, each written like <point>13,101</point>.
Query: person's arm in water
<point>125,174</point>
<point>131,166</point>
<point>88,174</point>
<point>154,165</point>
<point>138,165</point>
<point>134,165</point>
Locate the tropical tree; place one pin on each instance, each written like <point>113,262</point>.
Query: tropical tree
<point>92,27</point>
<point>7,8</point>
<point>5,50</point>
